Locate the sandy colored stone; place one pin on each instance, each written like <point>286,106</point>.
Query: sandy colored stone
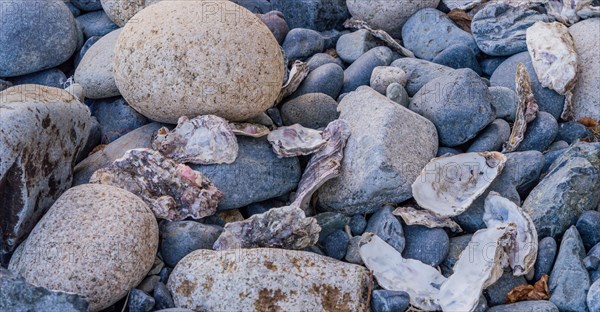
<point>267,279</point>
<point>179,59</point>
<point>121,11</point>
<point>98,241</point>
<point>95,71</point>
<point>586,98</point>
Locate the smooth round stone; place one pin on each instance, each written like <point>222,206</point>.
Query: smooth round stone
<point>320,15</point>
<point>593,297</point>
<point>104,240</point>
<point>398,94</point>
<point>383,76</point>
<point>121,11</point>
<point>492,137</point>
<point>232,68</point>
<point>357,224</point>
<point>420,72</point>
<point>95,70</point>
<point>35,36</point>
<point>504,76</point>
<point>74,10</point>
<point>96,24</point>
<point>557,145</point>
<point>327,79</point>
<point>351,46</point>
<point>321,59</point>
<point>430,246</point>
<point>359,73</point>
<point>329,223</point>
<point>353,252</point>
<point>162,297</point>
<point>275,21</point>
<point>572,131</point>
<point>496,293</point>
<point>301,43</point>
<point>116,118</point>
<point>139,301</point>
<point>588,226</point>
<point>447,151</point>
<point>336,244</point>
<point>179,238</point>
<point>504,101</point>
<point>86,46</point>
<point>429,32</point>
<point>550,157</point>
<point>531,306</point>
<point>540,133</point>
<point>313,110</point>
<point>547,249</point>
<point>488,66</point>
<point>389,300</point>
<point>87,5</point>
<point>458,56</point>
<point>332,36</point>
<point>385,225</point>
<point>586,98</point>
<point>387,15</point>
<point>52,77</point>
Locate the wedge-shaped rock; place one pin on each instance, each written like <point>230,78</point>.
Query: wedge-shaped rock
<point>522,255</point>
<point>295,140</point>
<point>267,280</point>
<point>447,186</point>
<point>202,140</point>
<point>480,265</point>
<point>173,191</point>
<point>412,216</point>
<point>393,272</point>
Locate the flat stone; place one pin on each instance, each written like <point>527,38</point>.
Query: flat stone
<point>572,131</point>
<point>359,73</point>
<point>52,77</point>
<point>375,167</point>
<point>96,23</point>
<point>458,56</point>
<point>301,43</point>
<point>420,72</point>
<point>586,98</point>
<point>389,300</point>
<point>531,306</point>
<point>547,249</point>
<point>588,226</point>
<point>116,118</point>
<point>491,138</point>
<point>430,246</point>
<point>327,79</point>
<point>351,46</point>
<point>540,133</point>
<point>385,225</point>
<point>179,238</point>
<point>557,145</point>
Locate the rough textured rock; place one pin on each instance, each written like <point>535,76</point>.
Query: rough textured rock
<point>593,297</point>
<point>588,226</point>
<point>383,76</point>
<point>545,260</point>
<point>571,186</point>
<point>496,293</point>
<point>232,68</point>
<point>35,36</point>
<point>389,300</point>
<point>140,301</point>
<point>179,238</point>
<point>531,306</point>
<point>377,167</point>
<point>95,71</point>
<point>586,98</point>
<point>420,72</point>
<point>267,279</point>
<point>319,15</point>
<point>121,11</point>
<point>104,240</point>
<point>313,110</point>
<point>87,5</point>
<point>329,223</point>
<point>42,130</point>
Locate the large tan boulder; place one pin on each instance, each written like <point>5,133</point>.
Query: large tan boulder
<point>121,11</point>
<point>586,97</point>
<point>195,58</point>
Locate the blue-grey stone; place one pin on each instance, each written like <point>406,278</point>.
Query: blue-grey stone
<point>35,35</point>
<point>18,295</point>
<point>450,102</point>
<point>116,118</point>
<point>569,281</point>
<point>336,244</point>
<point>572,131</point>
<point>420,72</point>
<point>255,6</point>
<point>385,225</point>
<point>547,99</point>
<point>588,226</point>
<point>319,15</point>
<point>52,77</point>
<point>397,93</point>
<point>351,46</point>
<point>260,207</point>
<point>332,36</point>
<point>547,249</point>
<point>430,246</point>
<point>540,133</point>
<point>327,79</point>
<point>492,137</point>
<point>179,238</point>
<point>504,101</point>
<point>162,297</point>
<point>358,223</point>
<point>429,32</point>
<point>551,156</point>
<point>4,85</point>
<point>301,43</point>
<point>275,116</point>
<point>86,46</point>
<point>458,56</point>
<point>164,274</point>
<point>321,59</point>
<point>529,306</point>
<point>139,301</point>
<point>496,293</point>
<point>329,223</point>
<point>457,245</point>
<point>442,151</point>
<point>275,21</point>
<point>489,65</point>
<point>312,110</point>
<point>74,10</point>
<point>359,73</point>
<point>389,301</point>
<point>256,175</point>
<point>96,23</point>
<point>593,297</point>
<point>571,186</point>
<point>148,283</point>
<point>88,5</point>
<point>353,252</point>
<point>499,28</point>
<point>557,145</point>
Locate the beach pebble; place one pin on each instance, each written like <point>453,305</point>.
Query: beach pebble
<point>95,70</point>
<point>312,110</point>
<point>179,238</point>
<point>327,79</point>
<point>359,73</point>
<point>301,43</point>
<point>351,46</point>
<point>383,76</point>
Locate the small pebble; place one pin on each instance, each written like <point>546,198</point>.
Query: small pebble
<point>139,301</point>
<point>588,226</point>
<point>389,301</point>
<point>162,297</point>
<point>353,252</point>
<point>398,94</point>
<point>336,244</point>
<point>357,224</point>
<point>385,225</point>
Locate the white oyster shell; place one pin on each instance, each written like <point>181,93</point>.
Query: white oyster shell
<point>527,109</point>
<point>249,129</point>
<point>295,141</point>
<point>412,216</point>
<point>447,186</point>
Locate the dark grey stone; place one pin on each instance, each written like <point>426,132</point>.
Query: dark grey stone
<point>256,175</point>
<point>52,77</point>
<point>540,133</point>
<point>357,224</point>
<point>319,15</point>
<point>359,73</point>
<point>572,131</point>
<point>35,35</point>
<point>148,283</point>
<point>327,79</point>
<point>385,225</point>
<point>179,238</point>
<point>88,5</point>
<point>256,6</point>
<point>429,32</point>
<point>492,137</point>
<point>164,274</point>
<point>430,246</point>
<point>398,94</point>
<point>332,36</point>
<point>321,59</point>
<point>499,28</point>
<point>116,118</point>
<point>420,72</point>
<point>4,85</point>
<point>557,145</point>
<point>504,101</point>
<point>312,110</point>
<point>74,10</point>
<point>442,151</point>
<point>529,306</point>
<point>86,46</point>
<point>162,297</point>
<point>275,115</point>
<point>260,207</point>
<point>569,281</point>
<point>551,156</point>
<point>351,46</point>
<point>353,252</point>
<point>389,301</point>
<point>275,21</point>
<point>458,56</point>
<point>301,43</point>
<point>496,293</point>
<point>329,223</point>
<point>457,245</point>
<point>588,226</point>
<point>139,301</point>
<point>336,244</point>
<point>489,65</point>
<point>449,102</point>
<point>593,297</point>
<point>547,249</point>
<point>547,99</point>
<point>96,23</point>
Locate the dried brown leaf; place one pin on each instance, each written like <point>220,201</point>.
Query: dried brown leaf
<point>538,291</point>
<point>461,18</point>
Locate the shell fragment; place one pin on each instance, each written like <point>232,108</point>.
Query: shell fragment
<point>295,141</point>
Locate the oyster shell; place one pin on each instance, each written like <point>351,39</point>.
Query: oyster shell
<point>249,129</point>
<point>379,34</point>
<point>173,191</point>
<point>295,140</point>
<point>526,110</point>
<point>570,12</point>
<point>393,272</point>
<point>202,140</point>
<point>412,216</point>
<point>447,186</point>
<point>297,74</point>
<point>324,164</point>
<point>477,268</point>
<point>522,255</point>
<point>284,227</point>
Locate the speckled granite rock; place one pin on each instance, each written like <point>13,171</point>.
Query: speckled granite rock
<point>104,240</point>
<point>95,71</point>
<point>121,11</point>
<point>586,98</point>
<point>267,279</point>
